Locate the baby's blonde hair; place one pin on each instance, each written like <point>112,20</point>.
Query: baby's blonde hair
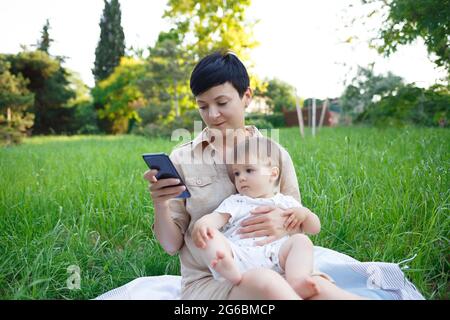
<point>267,153</point>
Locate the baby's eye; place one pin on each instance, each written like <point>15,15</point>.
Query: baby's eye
<point>236,174</point>
<point>249,170</point>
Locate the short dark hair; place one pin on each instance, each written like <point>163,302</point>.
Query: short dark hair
<point>218,68</point>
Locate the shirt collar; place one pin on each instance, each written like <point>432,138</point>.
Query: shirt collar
<point>206,137</point>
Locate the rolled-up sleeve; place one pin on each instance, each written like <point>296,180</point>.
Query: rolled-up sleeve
<point>177,206</point>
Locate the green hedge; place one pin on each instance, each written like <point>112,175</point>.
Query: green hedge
<point>262,121</point>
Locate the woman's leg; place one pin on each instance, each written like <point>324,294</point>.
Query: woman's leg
<point>262,284</point>
<point>296,258</point>
<point>219,256</point>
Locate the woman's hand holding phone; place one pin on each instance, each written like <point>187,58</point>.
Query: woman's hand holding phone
<point>163,189</point>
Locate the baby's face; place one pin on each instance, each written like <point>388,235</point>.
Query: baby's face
<point>254,180</point>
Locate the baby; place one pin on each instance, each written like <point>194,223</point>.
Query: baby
<point>257,173</point>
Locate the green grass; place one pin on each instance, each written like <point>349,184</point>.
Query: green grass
<point>381,195</point>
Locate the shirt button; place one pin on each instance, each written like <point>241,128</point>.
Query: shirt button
<point>199,181</point>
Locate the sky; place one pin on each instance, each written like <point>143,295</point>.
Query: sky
<point>302,42</point>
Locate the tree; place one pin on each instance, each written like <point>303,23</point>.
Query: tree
<point>44,43</point>
<point>209,25</point>
<point>280,94</point>
<point>410,19</point>
<point>410,105</point>
<point>47,79</point>
<point>15,98</point>
<point>168,68</point>
<point>111,46</point>
<point>120,96</point>
<point>367,87</point>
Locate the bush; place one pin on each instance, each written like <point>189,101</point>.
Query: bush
<point>163,127</point>
<point>14,131</point>
<point>275,120</point>
<point>259,123</point>
<point>410,105</point>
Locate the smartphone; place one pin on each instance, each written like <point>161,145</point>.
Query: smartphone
<point>166,169</point>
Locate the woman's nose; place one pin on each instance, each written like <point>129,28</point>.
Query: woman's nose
<point>213,112</point>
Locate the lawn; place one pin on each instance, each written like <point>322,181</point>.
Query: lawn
<point>381,194</point>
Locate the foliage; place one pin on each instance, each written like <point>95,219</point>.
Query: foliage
<point>47,79</point>
<point>167,73</point>
<point>120,96</point>
<point>165,87</point>
<point>275,120</point>
<point>44,43</point>
<point>111,46</point>
<point>166,126</point>
<point>15,98</point>
<point>205,26</point>
<point>280,95</point>
<point>410,19</point>
<point>365,88</point>
<point>410,105</point>
<point>210,25</point>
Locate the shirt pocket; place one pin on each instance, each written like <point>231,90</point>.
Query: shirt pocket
<point>199,181</point>
<point>205,195</point>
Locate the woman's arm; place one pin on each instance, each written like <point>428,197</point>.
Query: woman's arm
<point>168,231</point>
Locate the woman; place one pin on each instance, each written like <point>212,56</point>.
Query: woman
<point>220,84</point>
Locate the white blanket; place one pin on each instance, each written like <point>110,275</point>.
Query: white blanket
<point>375,280</point>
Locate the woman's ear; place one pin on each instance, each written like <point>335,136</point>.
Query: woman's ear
<point>248,94</point>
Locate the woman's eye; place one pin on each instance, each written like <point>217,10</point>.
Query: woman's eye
<point>203,107</point>
<point>222,103</point>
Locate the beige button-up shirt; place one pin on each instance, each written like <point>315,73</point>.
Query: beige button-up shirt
<point>209,183</point>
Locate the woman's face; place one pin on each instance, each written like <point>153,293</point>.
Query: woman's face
<point>221,107</point>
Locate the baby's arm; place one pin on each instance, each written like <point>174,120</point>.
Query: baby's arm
<point>305,218</point>
<point>205,226</point>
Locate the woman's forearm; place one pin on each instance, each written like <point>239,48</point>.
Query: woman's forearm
<point>166,231</point>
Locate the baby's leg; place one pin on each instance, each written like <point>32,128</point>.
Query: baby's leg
<point>219,256</point>
<point>296,258</point>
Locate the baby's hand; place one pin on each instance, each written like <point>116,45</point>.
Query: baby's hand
<point>294,220</point>
<point>201,233</point>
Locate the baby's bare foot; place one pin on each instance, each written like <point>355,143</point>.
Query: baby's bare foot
<point>306,287</point>
<point>224,264</point>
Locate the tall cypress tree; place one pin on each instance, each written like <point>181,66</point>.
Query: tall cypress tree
<point>111,46</point>
<point>44,43</point>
